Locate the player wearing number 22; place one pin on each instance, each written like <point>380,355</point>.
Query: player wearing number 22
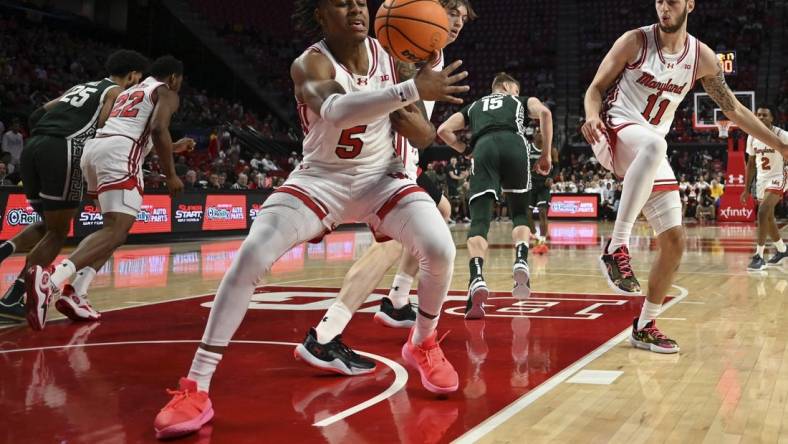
<point>112,167</point>
<point>644,77</point>
<point>51,174</point>
<point>346,87</point>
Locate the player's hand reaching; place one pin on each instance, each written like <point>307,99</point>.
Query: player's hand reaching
<point>410,123</point>
<point>186,144</point>
<point>174,185</point>
<point>745,196</point>
<point>592,130</point>
<point>441,85</point>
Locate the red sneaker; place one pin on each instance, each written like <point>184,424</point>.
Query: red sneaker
<point>39,295</point>
<point>186,412</point>
<point>437,373</point>
<point>75,307</point>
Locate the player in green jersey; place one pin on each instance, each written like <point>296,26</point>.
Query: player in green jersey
<point>500,163</point>
<point>540,191</point>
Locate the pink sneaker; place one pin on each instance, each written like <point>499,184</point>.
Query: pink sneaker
<point>40,292</point>
<point>187,411</point>
<point>437,373</point>
<point>75,307</point>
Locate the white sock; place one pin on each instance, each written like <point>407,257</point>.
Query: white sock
<point>400,290</point>
<point>424,328</point>
<point>780,245</point>
<point>648,313</point>
<point>63,272</point>
<point>81,283</point>
<point>333,323</point>
<point>203,366</point>
<point>759,250</point>
<point>620,236</point>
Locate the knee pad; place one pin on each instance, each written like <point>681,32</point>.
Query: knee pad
<point>663,211</point>
<point>520,210</point>
<point>481,213</point>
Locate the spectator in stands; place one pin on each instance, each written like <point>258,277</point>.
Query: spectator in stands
<point>223,185</point>
<point>609,206</point>
<point>181,167</point>
<point>13,142</point>
<point>5,181</point>
<point>213,145</point>
<point>706,208</point>
<point>242,183</point>
<point>190,182</point>
<point>213,182</point>
<point>268,164</point>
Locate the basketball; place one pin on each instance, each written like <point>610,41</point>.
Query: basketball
<point>411,30</point>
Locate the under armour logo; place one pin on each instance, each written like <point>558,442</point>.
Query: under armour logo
<point>396,288</point>
<point>325,319</point>
<point>385,78</point>
<point>362,81</point>
<point>736,179</point>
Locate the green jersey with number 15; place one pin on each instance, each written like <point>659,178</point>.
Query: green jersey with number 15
<point>496,112</point>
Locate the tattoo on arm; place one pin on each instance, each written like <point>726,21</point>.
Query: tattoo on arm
<point>406,71</point>
<point>719,91</point>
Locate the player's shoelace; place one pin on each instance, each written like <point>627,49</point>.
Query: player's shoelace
<point>179,397</point>
<point>434,352</point>
<point>345,349</point>
<point>656,334</point>
<point>622,260</point>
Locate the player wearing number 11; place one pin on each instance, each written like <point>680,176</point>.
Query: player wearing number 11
<point>645,76</point>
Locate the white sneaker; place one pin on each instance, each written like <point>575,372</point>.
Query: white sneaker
<point>522,280</point>
<point>76,307</point>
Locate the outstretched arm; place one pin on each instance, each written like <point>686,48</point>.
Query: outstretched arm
<point>537,110</point>
<point>412,121</point>
<point>713,80</point>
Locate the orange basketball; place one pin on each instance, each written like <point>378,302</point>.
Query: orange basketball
<point>411,30</point>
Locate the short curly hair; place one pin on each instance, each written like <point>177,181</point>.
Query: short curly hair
<point>304,17</point>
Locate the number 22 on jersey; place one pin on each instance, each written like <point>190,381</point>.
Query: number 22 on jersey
<point>126,103</point>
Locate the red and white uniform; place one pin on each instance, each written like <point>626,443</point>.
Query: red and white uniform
<point>351,174</point>
<point>640,106</point>
<point>771,172</point>
<point>113,160</point>
<point>408,152</point>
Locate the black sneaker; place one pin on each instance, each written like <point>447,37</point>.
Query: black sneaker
<point>650,338</point>
<point>334,356</point>
<point>757,264</point>
<point>12,306</point>
<point>618,271</point>
<point>403,317</point>
<point>477,296</point>
<point>776,260</point>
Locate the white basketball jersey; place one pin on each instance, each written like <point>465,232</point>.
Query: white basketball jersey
<point>365,147</point>
<point>649,91</point>
<point>131,114</point>
<point>408,152</point>
<point>767,159</point>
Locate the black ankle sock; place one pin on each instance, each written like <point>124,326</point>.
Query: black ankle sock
<point>14,293</point>
<point>475,265</point>
<point>521,251</point>
<point>6,249</point>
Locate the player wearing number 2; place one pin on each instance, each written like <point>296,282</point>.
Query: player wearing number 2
<point>644,77</point>
<point>768,165</point>
<point>112,167</point>
<point>50,165</point>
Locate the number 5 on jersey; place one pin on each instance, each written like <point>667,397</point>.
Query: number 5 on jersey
<point>348,146</point>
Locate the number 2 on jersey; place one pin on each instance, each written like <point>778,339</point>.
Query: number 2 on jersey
<point>765,164</point>
<point>124,105</point>
<point>349,147</point>
<point>663,105</point>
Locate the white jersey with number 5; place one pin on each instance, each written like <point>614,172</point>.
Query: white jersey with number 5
<point>131,115</point>
<point>649,91</point>
<point>408,152</point>
<point>362,148</point>
<point>767,160</point>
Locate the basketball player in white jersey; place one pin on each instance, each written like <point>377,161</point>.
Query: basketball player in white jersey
<point>645,76</point>
<point>112,168</point>
<point>345,87</point>
<point>323,347</point>
<point>767,166</point>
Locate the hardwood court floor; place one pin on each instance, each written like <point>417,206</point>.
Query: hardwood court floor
<point>527,372</point>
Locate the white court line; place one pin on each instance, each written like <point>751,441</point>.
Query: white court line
<point>529,398</point>
<point>400,374</point>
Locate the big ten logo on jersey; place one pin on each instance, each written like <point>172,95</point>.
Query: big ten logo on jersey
<point>570,306</point>
<point>301,299</point>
